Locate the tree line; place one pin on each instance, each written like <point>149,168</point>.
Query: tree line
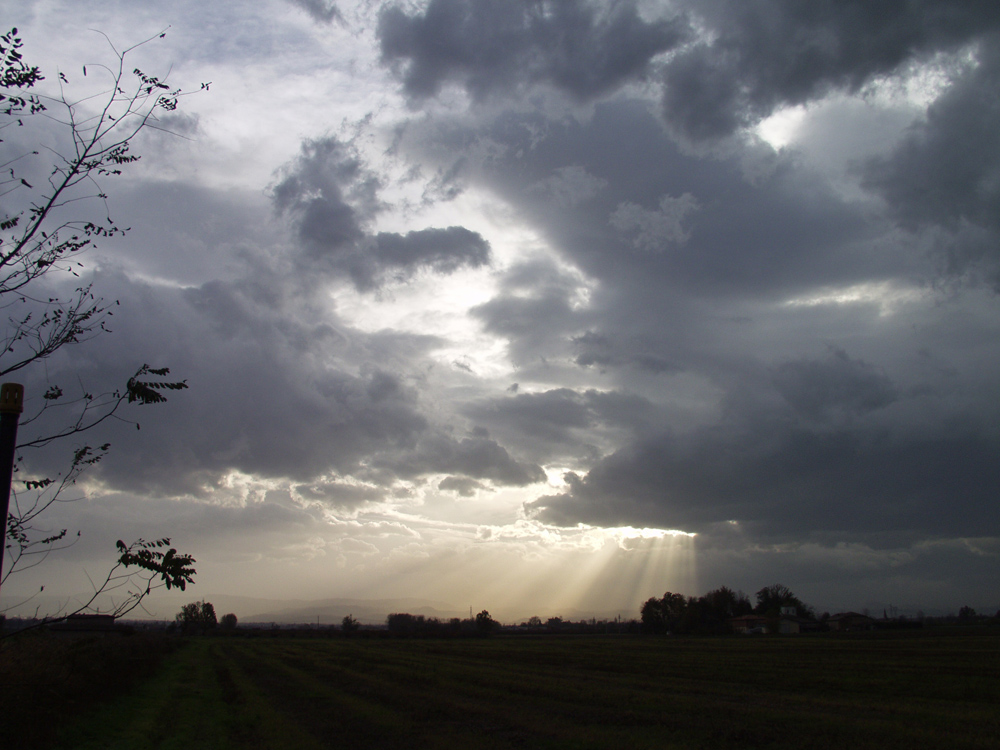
<point>405,624</point>
<point>711,613</point>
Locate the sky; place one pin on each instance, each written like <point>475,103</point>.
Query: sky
<point>548,307</point>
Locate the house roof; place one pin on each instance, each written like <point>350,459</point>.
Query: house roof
<point>850,615</point>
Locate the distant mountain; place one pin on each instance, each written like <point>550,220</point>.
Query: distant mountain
<point>366,611</point>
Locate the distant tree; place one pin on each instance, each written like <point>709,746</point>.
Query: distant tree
<point>665,615</point>
<point>534,621</point>
<point>728,603</point>
<point>197,617</point>
<point>208,617</point>
<point>675,613</point>
<point>349,624</point>
<point>674,606</point>
<point>771,599</point>
<point>711,612</point>
<point>485,624</point>
<point>401,623</point>
<point>651,616</point>
<point>966,613</point>
<point>228,622</point>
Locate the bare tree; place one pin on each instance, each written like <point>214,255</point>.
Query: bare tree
<point>54,209</point>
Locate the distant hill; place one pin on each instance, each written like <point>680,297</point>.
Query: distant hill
<point>366,611</point>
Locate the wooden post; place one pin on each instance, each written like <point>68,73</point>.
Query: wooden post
<point>11,406</point>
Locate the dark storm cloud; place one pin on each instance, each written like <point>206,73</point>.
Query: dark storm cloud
<point>778,349</point>
<point>562,423</point>
<point>497,45</point>
<point>838,384</point>
<point>319,187</point>
<point>946,172</point>
<point>803,406</point>
<point>786,483</point>
<point>747,59</point>
<point>339,494</point>
<point>293,393</point>
<point>759,55</point>
<point>462,486</point>
<point>533,310</point>
<point>634,312</point>
<point>549,416</point>
<point>277,410</point>
<point>279,385</point>
<point>710,229</point>
<point>597,350</point>
<point>322,11</point>
<point>333,197</point>
<point>441,250</point>
<point>475,457</point>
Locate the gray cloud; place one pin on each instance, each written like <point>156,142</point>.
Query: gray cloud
<point>946,172</point>
<point>533,311</point>
<point>339,494</point>
<point>793,343</point>
<point>837,384</point>
<point>657,229</point>
<point>440,250</point>
<point>563,426</point>
<point>462,486</point>
<point>763,54</point>
<point>785,231</point>
<point>747,59</point>
<point>787,483</point>
<point>292,390</point>
<point>319,187</point>
<point>476,457</point>
<point>736,339</point>
<point>494,45</point>
<point>322,11</point>
<point>277,410</point>
<point>333,196</point>
<point>569,186</point>
<point>597,350</point>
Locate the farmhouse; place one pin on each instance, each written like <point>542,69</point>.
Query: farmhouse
<point>748,624</point>
<point>786,624</point>
<point>850,621</point>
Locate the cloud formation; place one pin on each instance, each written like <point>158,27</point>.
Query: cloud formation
<point>322,11</point>
<point>755,57</point>
<point>723,266</point>
<point>583,48</point>
<point>946,170</point>
<point>333,197</point>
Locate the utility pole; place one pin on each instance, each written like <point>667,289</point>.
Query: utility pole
<point>11,406</point>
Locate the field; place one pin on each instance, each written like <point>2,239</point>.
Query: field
<point>905,691</point>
